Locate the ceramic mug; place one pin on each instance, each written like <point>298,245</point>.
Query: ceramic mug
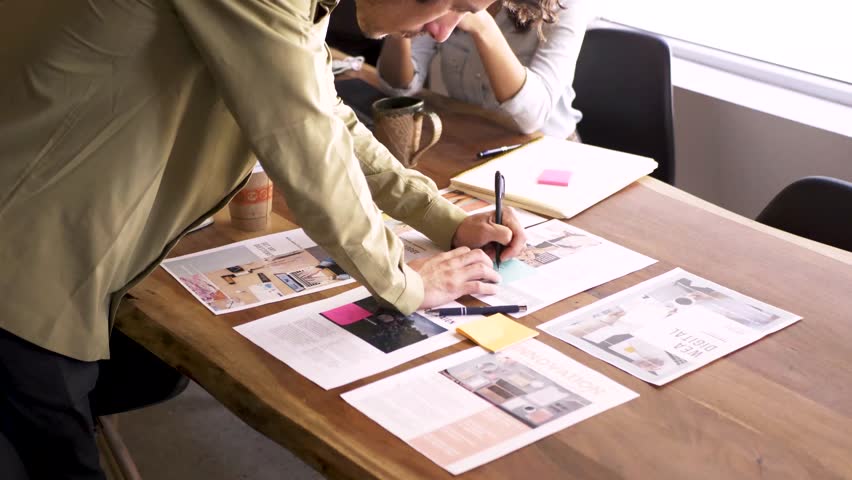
<point>399,125</point>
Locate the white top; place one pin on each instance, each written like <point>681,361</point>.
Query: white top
<point>544,102</point>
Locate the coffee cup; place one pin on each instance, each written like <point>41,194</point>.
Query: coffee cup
<point>251,208</point>
<point>398,124</point>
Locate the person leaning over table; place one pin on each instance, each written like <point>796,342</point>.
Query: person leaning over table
<point>502,58</point>
<point>124,123</point>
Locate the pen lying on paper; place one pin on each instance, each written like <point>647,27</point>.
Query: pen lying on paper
<point>496,151</point>
<point>453,311</point>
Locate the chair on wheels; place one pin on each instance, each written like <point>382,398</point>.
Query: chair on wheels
<point>624,91</point>
<point>817,208</point>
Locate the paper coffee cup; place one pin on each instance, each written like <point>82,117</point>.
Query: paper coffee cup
<point>250,209</point>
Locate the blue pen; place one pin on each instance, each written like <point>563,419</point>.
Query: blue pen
<point>499,191</point>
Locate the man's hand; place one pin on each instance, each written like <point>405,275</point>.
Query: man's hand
<point>480,230</point>
<point>450,275</point>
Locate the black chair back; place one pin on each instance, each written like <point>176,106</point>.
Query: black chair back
<point>817,208</point>
<point>624,91</point>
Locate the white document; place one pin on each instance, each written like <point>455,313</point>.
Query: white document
<point>668,326</point>
<point>341,339</point>
<point>257,271</point>
<point>560,261</point>
<point>472,407</point>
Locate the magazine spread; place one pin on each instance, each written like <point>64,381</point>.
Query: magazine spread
<point>255,272</point>
<point>289,264</point>
<point>668,326</point>
<point>560,261</point>
<point>472,407</point>
<point>350,336</point>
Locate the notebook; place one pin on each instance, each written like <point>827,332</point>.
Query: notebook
<point>595,174</point>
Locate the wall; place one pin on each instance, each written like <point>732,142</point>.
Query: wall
<point>740,158</point>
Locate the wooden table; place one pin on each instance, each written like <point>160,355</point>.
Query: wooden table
<point>779,408</point>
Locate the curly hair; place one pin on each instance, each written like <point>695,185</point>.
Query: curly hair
<point>529,14</point>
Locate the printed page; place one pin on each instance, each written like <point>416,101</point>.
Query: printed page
<point>668,326</point>
<point>289,264</point>
<point>560,261</point>
<point>338,340</point>
<point>257,271</point>
<point>472,407</point>
<point>473,205</point>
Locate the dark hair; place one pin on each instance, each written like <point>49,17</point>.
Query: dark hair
<point>529,14</point>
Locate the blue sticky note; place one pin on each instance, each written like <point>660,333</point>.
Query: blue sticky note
<point>514,270</point>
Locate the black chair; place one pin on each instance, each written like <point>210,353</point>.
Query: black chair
<point>817,208</point>
<point>624,90</point>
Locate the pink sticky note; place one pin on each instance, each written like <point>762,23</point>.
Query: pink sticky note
<point>555,177</point>
<point>349,313</point>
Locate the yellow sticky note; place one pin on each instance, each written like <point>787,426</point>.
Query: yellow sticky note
<point>496,332</point>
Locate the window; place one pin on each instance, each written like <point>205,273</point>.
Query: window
<point>811,36</point>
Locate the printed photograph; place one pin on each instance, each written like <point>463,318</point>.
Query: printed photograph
<point>555,244</point>
<point>465,201</point>
<point>686,292</point>
<point>236,277</point>
<point>516,389</point>
<point>384,328</point>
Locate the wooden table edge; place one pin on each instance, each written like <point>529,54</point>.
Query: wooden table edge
<point>677,194</point>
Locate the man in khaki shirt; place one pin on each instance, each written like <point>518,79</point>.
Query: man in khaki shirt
<point>123,123</point>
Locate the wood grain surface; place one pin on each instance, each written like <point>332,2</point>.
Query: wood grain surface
<point>779,408</point>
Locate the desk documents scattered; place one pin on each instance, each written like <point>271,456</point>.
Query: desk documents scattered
<point>636,291</point>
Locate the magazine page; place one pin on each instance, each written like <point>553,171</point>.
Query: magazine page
<point>350,336</point>
<point>257,271</point>
<point>472,205</point>
<point>472,407</point>
<point>668,326</point>
<point>560,261</point>
<point>288,264</point>
<point>418,245</point>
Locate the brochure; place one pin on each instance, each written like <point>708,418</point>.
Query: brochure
<point>257,271</point>
<point>472,407</point>
<point>668,326</point>
<point>560,261</point>
<point>341,339</point>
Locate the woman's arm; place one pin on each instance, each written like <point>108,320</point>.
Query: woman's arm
<point>505,72</point>
<point>551,70</point>
<point>395,65</point>
<point>404,63</point>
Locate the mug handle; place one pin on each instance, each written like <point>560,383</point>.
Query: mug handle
<point>437,128</point>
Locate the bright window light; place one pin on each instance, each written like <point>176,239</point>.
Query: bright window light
<point>811,36</point>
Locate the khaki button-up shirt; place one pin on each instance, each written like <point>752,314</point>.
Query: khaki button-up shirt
<point>124,122</point>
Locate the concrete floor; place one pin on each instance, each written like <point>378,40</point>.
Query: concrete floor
<point>194,437</point>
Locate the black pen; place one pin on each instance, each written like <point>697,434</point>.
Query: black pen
<point>496,151</point>
<point>455,311</point>
<point>499,191</point>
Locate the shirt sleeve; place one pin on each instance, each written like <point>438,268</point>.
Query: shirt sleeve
<point>270,64</point>
<point>405,194</point>
<point>551,70</point>
<point>423,48</point>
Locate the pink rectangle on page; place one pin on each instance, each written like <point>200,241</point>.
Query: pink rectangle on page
<point>349,313</point>
<point>555,177</point>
